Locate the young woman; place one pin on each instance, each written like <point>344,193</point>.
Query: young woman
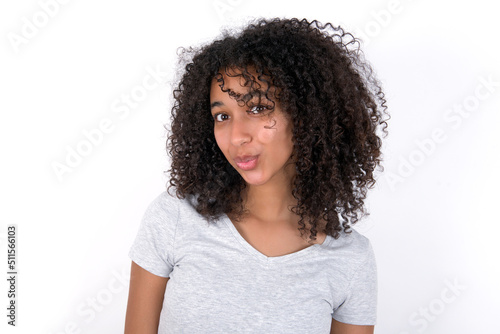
<point>274,143</point>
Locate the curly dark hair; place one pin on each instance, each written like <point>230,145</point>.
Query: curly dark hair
<point>324,85</point>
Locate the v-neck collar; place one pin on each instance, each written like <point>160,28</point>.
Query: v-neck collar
<point>271,259</point>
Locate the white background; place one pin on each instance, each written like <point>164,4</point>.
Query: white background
<point>433,222</point>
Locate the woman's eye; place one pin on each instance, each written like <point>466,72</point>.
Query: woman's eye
<point>257,109</point>
<point>220,117</point>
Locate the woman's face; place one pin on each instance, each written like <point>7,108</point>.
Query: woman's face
<point>255,141</point>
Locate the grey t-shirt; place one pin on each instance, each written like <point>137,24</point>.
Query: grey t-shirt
<point>219,283</point>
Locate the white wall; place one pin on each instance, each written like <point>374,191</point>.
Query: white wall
<point>433,223</point>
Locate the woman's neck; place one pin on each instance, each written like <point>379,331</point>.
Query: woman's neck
<point>270,202</point>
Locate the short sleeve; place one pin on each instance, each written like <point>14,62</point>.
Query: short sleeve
<point>153,246</point>
<point>360,305</point>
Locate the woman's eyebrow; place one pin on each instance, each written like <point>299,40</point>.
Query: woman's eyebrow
<point>216,104</point>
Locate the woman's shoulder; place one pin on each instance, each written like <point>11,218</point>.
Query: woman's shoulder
<point>169,204</point>
<point>354,244</point>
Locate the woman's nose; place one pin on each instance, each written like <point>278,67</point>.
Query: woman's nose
<point>240,133</point>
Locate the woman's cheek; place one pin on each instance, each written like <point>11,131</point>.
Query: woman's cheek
<point>270,131</point>
<point>221,141</point>
<point>267,135</point>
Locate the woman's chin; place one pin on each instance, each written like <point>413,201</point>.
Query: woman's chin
<point>255,180</point>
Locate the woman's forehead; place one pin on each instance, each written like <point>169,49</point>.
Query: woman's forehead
<point>245,84</point>
<point>242,79</point>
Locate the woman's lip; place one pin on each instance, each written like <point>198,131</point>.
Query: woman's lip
<point>246,162</point>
